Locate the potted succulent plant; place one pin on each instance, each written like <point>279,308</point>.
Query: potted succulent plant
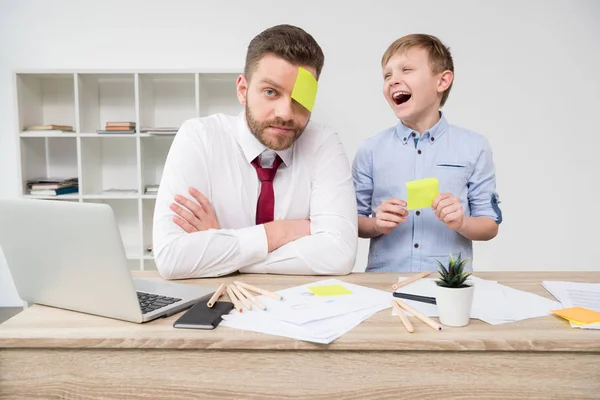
<point>454,294</point>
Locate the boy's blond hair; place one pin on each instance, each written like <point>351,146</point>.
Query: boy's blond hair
<point>440,59</point>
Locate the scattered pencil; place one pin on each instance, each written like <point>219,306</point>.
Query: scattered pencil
<point>403,317</point>
<point>427,320</point>
<point>258,290</point>
<point>241,297</point>
<point>253,299</point>
<point>216,296</point>
<point>413,278</point>
<point>234,299</point>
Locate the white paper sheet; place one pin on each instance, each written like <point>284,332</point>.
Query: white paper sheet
<point>305,316</point>
<point>493,303</point>
<point>575,294</point>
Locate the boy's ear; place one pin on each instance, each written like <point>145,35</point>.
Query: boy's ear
<point>242,89</point>
<point>445,81</point>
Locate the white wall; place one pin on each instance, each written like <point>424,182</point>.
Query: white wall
<point>527,76</point>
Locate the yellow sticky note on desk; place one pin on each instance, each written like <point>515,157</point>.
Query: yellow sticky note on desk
<point>305,89</point>
<point>421,193</point>
<point>329,290</point>
<point>579,315</point>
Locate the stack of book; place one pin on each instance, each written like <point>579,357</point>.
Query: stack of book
<point>151,189</point>
<point>52,186</point>
<point>118,127</point>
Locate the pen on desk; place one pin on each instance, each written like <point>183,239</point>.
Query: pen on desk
<point>234,299</point>
<point>215,296</point>
<point>253,299</point>
<point>415,297</point>
<point>427,320</point>
<point>241,297</point>
<point>403,317</point>
<point>413,278</point>
<point>258,290</point>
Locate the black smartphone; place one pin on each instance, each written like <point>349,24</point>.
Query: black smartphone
<point>200,316</point>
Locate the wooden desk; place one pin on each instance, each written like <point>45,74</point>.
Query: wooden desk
<point>51,353</point>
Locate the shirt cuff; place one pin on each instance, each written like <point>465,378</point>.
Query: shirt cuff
<point>253,244</point>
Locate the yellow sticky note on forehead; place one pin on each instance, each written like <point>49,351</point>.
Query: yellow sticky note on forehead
<point>421,193</point>
<point>305,89</point>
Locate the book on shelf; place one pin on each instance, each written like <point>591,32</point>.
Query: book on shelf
<point>126,124</point>
<point>112,131</point>
<point>54,192</point>
<point>151,189</point>
<point>159,130</point>
<point>51,186</point>
<point>48,128</point>
<point>118,127</point>
<point>71,181</point>
<point>119,191</point>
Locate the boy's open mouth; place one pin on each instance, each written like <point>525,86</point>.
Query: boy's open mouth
<point>401,97</point>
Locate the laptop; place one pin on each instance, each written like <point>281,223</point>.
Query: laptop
<point>70,255</point>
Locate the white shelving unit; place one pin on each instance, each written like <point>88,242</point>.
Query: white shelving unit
<point>125,162</point>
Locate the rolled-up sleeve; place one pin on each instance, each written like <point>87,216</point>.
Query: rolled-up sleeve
<point>362,175</point>
<point>484,200</point>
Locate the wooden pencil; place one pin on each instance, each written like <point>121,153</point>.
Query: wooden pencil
<point>241,297</point>
<point>253,299</point>
<point>234,299</point>
<point>413,278</point>
<point>403,317</point>
<point>216,296</point>
<point>425,319</point>
<point>258,290</point>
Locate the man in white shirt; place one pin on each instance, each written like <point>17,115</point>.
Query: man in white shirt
<point>214,211</point>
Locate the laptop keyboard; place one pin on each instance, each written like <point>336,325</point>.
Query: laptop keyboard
<point>152,302</point>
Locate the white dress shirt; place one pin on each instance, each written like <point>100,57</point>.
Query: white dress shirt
<point>213,154</point>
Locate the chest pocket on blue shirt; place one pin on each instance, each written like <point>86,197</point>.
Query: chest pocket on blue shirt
<point>453,177</point>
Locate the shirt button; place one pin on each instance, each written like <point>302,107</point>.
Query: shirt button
<point>419,152</point>
<point>432,138</point>
<point>413,134</point>
<point>416,245</point>
<point>418,213</point>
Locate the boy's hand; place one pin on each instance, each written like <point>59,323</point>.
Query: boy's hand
<point>448,209</point>
<point>390,214</point>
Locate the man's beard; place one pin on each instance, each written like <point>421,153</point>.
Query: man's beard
<point>279,142</point>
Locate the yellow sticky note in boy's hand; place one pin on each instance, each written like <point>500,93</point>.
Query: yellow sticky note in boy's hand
<point>305,89</point>
<point>421,193</point>
<point>579,315</point>
<point>329,290</point>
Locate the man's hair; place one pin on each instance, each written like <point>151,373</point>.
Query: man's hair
<point>440,58</point>
<point>288,42</point>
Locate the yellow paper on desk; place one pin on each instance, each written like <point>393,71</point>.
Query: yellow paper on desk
<point>305,89</point>
<point>329,290</point>
<point>421,193</point>
<point>579,315</point>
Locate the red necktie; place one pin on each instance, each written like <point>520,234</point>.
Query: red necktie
<point>266,199</point>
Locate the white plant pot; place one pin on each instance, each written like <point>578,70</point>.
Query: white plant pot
<point>454,305</point>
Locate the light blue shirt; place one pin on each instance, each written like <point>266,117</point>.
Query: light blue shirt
<point>462,162</point>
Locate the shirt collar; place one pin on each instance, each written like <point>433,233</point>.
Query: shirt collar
<point>405,133</point>
<point>252,148</point>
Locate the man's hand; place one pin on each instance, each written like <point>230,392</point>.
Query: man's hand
<point>449,210</point>
<point>390,214</point>
<point>194,217</point>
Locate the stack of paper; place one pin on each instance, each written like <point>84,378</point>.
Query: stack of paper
<point>318,312</point>
<point>573,294</point>
<point>492,302</point>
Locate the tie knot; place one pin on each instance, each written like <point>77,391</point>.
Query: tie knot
<point>266,174</point>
